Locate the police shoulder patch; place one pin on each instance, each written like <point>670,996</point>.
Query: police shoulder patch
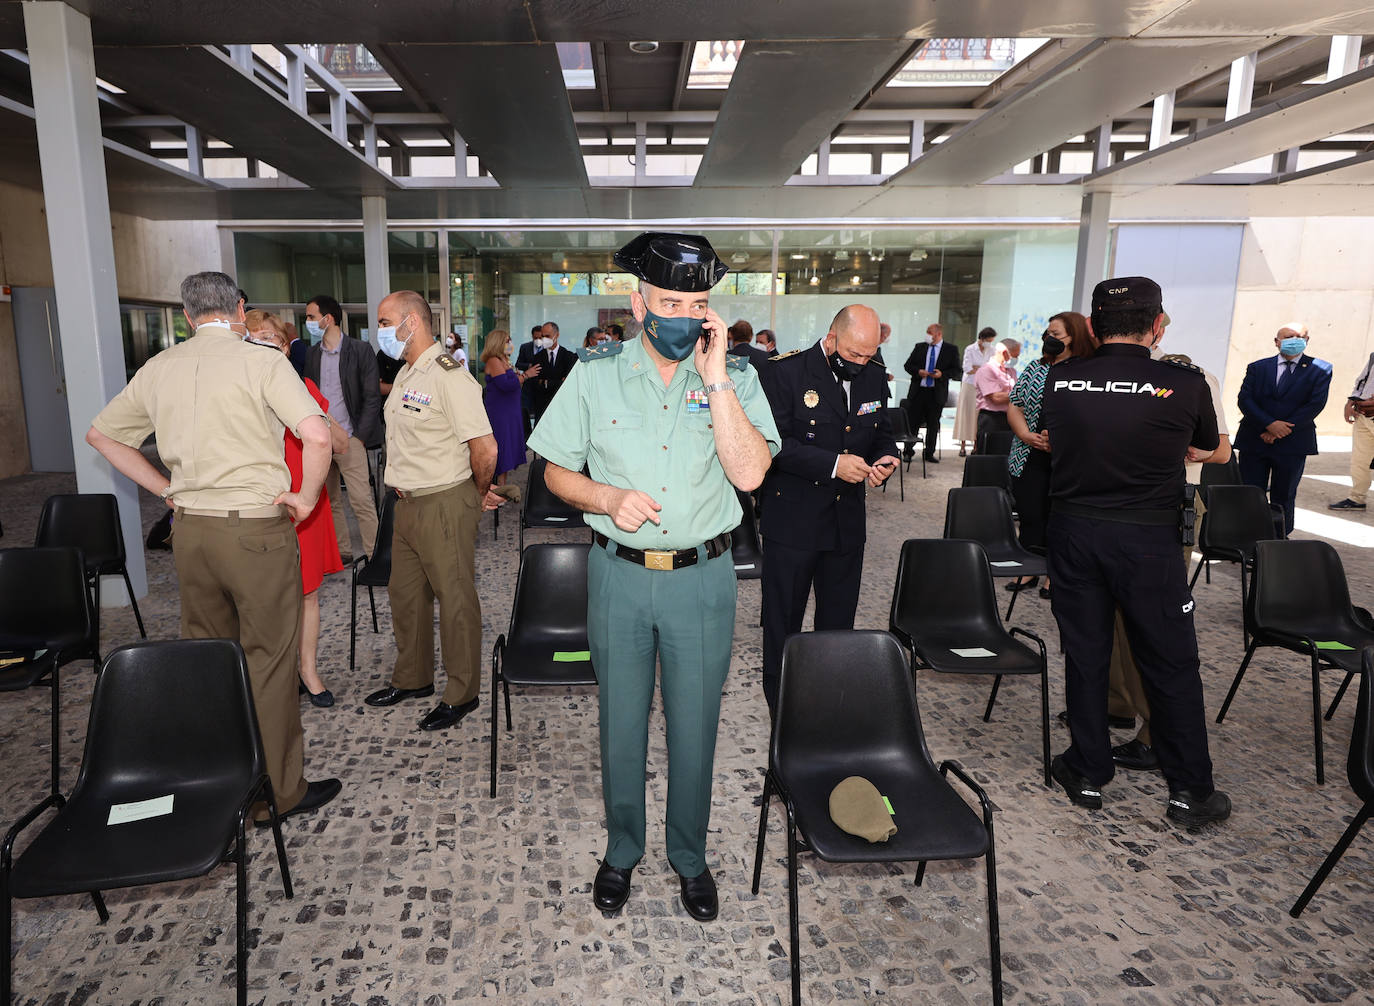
<point>740,363</point>
<point>783,356</point>
<point>601,352</point>
<point>447,362</point>
<point>1182,362</point>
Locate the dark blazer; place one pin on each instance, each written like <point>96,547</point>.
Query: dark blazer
<point>552,373</point>
<point>802,505</point>
<point>296,353</point>
<point>358,376</point>
<point>1299,400</point>
<point>756,356</point>
<point>947,362</point>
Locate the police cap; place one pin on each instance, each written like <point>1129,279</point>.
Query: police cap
<point>1129,293</point>
<point>683,262</point>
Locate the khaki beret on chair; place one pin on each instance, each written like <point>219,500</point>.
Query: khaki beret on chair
<point>857,807</point>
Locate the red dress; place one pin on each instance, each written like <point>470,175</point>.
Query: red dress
<point>319,548</point>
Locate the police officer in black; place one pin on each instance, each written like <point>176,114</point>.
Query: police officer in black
<point>1120,427</point>
<point>828,404</point>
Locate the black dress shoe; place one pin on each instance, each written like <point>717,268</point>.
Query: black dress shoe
<point>322,699</point>
<point>1134,754</point>
<point>317,794</point>
<point>1345,504</point>
<point>931,459</point>
<point>1080,791</point>
<point>443,716</point>
<point>1187,809</point>
<point>699,896</point>
<point>1016,586</point>
<point>390,696</point>
<point>1115,722</point>
<point>611,889</point>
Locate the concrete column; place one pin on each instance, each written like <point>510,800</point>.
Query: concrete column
<point>1241,91</point>
<point>72,160</point>
<point>1345,56</point>
<point>375,261</point>
<point>1090,267</point>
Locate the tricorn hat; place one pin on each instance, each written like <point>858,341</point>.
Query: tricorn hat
<point>683,262</point>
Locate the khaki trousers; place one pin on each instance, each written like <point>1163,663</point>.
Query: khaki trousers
<point>352,464</point>
<point>1125,693</point>
<point>240,578</point>
<point>1361,453</point>
<point>433,541</point>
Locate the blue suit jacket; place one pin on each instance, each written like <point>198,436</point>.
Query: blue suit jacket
<point>1298,401</point>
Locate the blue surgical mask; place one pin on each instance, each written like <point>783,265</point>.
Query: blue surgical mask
<point>672,338</point>
<point>1295,346</point>
<point>389,344</point>
<point>315,330</point>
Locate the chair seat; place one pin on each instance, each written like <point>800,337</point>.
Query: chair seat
<point>78,851</point>
<point>1339,631</point>
<point>534,664</point>
<point>1010,655</point>
<point>1027,564</point>
<point>372,574</point>
<point>26,673</point>
<point>933,822</point>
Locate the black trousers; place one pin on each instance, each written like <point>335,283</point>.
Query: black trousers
<point>1031,490</point>
<point>788,576</point>
<point>1278,475</point>
<point>1096,566</point>
<point>925,406</point>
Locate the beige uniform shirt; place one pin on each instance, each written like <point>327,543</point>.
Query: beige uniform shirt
<point>219,406</point>
<point>434,408</point>
<point>1195,470</point>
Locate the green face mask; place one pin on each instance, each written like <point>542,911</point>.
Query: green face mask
<point>672,338</point>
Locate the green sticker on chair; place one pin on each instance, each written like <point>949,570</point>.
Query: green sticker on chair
<point>888,804</point>
<point>1332,644</point>
<point>571,656</point>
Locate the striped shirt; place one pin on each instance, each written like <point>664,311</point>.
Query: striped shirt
<point>1027,395</point>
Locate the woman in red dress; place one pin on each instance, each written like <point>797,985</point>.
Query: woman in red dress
<point>318,547</point>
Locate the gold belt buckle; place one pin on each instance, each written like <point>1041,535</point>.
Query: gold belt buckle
<point>658,560</point>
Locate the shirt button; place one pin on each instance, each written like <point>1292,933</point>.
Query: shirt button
<point>613,422</point>
<point>846,429</point>
<point>665,530</point>
<point>709,426</point>
<point>813,422</point>
<point>665,489</point>
<point>665,447</point>
<point>665,408</point>
<point>837,497</point>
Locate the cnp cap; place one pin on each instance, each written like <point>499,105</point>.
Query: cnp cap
<point>683,262</point>
<point>1129,293</point>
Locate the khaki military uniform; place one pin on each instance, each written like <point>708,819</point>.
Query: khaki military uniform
<point>219,406</point>
<point>434,408</point>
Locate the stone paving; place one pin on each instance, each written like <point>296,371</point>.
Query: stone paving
<point>415,887</point>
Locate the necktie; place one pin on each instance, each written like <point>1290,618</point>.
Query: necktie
<point>929,382</point>
<point>1287,371</point>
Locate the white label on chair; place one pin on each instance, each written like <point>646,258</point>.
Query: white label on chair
<point>1004,562</point>
<point>972,651</point>
<point>123,813</point>
<point>744,565</point>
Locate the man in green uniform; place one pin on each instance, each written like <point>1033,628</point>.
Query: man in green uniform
<point>668,430</point>
<point>440,456</point>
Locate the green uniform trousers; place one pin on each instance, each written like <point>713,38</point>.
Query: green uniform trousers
<point>240,578</point>
<point>686,619</point>
<point>432,545</point>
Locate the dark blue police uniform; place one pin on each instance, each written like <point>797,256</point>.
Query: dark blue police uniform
<point>813,524</point>
<point>1119,426</point>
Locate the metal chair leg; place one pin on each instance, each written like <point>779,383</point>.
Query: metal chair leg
<point>138,616</point>
<point>1045,720</point>
<point>100,909</point>
<point>1332,858</point>
<point>763,829</point>
<point>241,913</point>
<point>1249,652</point>
<point>996,684</point>
<point>353,623</point>
<point>1317,717</point>
<point>793,924</point>
<point>495,674</point>
<point>920,872</point>
<point>372,600</point>
<point>280,843</point>
<point>994,924</point>
<point>1014,595</point>
<point>1200,563</point>
<point>1340,694</point>
<point>505,687</point>
<point>56,724</point>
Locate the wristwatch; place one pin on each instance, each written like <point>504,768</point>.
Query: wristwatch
<point>166,492</point>
<point>726,385</point>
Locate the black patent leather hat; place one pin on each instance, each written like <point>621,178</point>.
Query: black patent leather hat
<point>683,262</point>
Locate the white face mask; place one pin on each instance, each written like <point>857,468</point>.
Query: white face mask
<point>237,327</point>
<point>314,329</point>
<point>389,344</point>
<point>543,342</point>
<point>450,343</point>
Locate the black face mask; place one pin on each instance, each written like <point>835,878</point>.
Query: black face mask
<point>1053,346</point>
<point>845,370</point>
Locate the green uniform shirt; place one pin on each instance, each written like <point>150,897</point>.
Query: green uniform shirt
<point>614,415</point>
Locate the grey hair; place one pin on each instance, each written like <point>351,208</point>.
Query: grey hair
<point>1010,344</point>
<point>209,293</point>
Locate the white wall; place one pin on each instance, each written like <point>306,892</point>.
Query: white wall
<point>1027,278</point>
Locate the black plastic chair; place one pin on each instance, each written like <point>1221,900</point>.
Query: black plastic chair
<point>1360,769</point>
<point>541,509</point>
<point>1237,516</point>
<point>90,522</point>
<point>906,439</point>
<point>745,548</point>
<point>546,644</point>
<point>1299,599</point>
<point>371,571</point>
<point>847,707</point>
<point>45,622</point>
<point>1218,475</point>
<point>983,514</point>
<point>172,722</point>
<point>994,442</point>
<point>944,601</point>
<point>987,470</point>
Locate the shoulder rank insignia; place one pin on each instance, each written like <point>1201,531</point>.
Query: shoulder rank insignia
<point>601,352</point>
<point>740,363</point>
<point>1180,361</point>
<point>447,362</point>
<point>783,356</point>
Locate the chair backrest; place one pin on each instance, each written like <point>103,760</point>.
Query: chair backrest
<point>844,692</point>
<point>176,710</point>
<point>376,572</point>
<point>995,442</point>
<point>987,470</point>
<point>1360,766</point>
<point>1237,516</point>
<point>43,599</point>
<point>944,585</point>
<point>981,514</point>
<point>899,421</point>
<point>550,604</point>
<point>744,541</point>
<point>1218,475</point>
<point>88,521</point>
<point>1299,587</point>
<point>541,507</point>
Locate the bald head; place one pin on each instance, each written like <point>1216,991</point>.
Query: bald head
<point>854,333</point>
<point>409,313</point>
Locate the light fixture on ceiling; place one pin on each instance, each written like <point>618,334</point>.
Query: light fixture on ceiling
<point>814,280</point>
<point>854,281</point>
<point>798,255</point>
<point>644,48</point>
<point>739,258</point>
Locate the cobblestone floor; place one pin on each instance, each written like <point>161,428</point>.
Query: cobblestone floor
<point>416,888</point>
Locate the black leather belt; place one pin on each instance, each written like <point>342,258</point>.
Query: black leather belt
<point>668,559</point>
<point>1117,515</point>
